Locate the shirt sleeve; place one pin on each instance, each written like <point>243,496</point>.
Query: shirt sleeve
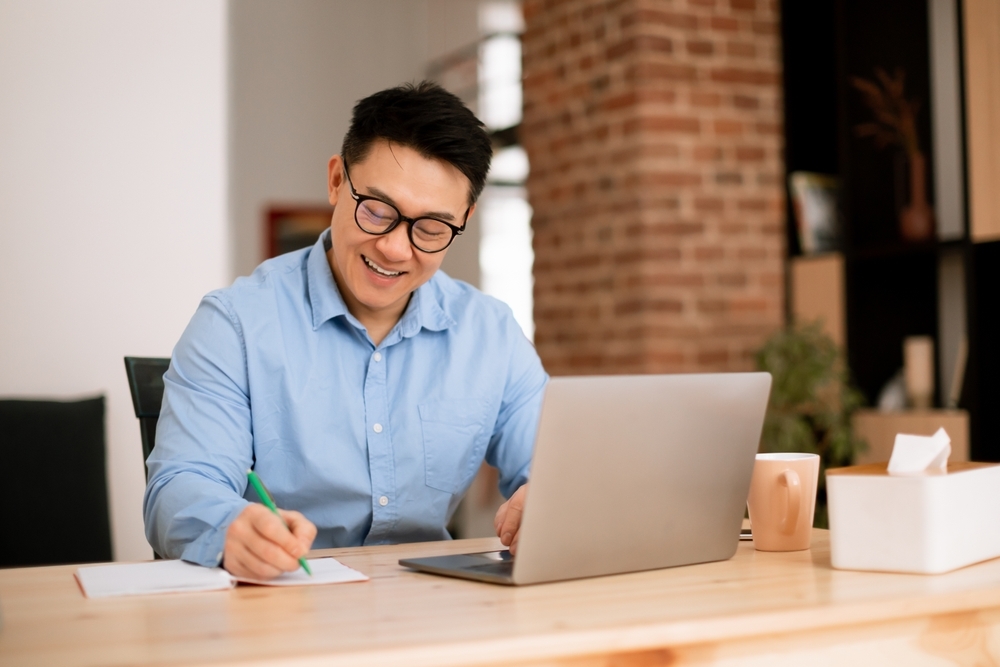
<point>204,440</point>
<point>514,434</point>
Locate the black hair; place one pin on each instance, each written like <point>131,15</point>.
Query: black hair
<point>428,119</point>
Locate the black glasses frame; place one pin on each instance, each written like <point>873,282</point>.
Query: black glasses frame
<point>455,231</point>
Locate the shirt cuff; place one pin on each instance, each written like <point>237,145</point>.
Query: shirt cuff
<point>208,549</point>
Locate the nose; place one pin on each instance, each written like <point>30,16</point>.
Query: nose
<point>395,245</point>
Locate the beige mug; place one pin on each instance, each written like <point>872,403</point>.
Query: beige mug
<point>782,501</point>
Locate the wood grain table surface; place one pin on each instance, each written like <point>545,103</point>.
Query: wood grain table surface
<point>756,608</point>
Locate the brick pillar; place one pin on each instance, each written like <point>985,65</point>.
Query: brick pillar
<point>653,128</point>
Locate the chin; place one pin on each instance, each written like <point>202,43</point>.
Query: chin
<point>380,300</point>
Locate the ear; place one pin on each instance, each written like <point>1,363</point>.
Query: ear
<point>334,178</point>
<point>472,209</point>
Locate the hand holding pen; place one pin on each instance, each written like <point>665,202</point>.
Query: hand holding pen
<point>264,541</point>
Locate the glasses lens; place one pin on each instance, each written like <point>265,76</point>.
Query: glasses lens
<point>375,216</point>
<point>431,235</point>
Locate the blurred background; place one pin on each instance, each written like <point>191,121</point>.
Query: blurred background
<point>677,186</point>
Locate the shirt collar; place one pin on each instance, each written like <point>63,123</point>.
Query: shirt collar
<point>426,309</point>
<point>324,297</point>
<point>424,312</point>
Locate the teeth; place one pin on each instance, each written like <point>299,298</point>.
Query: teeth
<point>379,269</point>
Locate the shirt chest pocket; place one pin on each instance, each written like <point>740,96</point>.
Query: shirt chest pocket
<point>455,438</point>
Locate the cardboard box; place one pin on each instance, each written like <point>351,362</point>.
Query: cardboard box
<point>925,524</point>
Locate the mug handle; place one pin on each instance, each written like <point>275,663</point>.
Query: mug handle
<point>790,480</point>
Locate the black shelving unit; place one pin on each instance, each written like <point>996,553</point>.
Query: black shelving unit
<point>809,38</point>
<point>891,286</point>
<point>981,393</point>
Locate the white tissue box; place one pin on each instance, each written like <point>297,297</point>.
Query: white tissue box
<point>927,524</point>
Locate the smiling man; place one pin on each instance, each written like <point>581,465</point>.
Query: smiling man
<point>364,385</point>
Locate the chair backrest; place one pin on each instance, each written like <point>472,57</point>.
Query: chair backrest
<point>145,379</point>
<point>54,494</point>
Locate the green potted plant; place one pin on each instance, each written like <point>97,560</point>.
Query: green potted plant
<point>811,403</point>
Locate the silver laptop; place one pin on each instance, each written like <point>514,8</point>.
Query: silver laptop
<point>630,473</point>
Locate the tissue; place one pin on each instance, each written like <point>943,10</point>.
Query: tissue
<point>916,454</point>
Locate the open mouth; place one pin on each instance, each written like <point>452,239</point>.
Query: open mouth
<point>379,270</point>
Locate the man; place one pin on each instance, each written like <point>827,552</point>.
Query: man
<point>362,384</point>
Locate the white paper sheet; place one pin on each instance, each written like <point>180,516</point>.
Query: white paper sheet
<point>176,576</point>
<point>325,571</point>
<point>161,576</point>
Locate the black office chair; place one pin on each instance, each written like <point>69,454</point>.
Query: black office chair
<point>145,380</point>
<point>54,492</point>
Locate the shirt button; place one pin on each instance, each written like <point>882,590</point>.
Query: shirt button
<point>219,557</point>
<point>383,501</point>
<point>377,356</point>
<point>377,428</point>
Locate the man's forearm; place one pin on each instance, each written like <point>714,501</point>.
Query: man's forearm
<point>187,514</point>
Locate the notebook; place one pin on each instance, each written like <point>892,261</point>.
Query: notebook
<point>177,576</point>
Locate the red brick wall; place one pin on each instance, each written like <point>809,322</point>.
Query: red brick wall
<point>653,128</point>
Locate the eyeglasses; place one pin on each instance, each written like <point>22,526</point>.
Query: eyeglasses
<point>377,217</point>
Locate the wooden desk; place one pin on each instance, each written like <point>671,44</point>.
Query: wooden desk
<point>758,608</point>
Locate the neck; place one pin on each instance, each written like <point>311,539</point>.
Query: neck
<point>378,323</point>
<point>378,326</point>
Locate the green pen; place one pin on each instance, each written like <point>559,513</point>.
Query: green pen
<point>265,497</point>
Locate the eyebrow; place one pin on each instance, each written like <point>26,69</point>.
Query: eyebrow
<point>447,217</point>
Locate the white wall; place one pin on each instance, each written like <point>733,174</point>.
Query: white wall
<point>451,26</point>
<point>297,69</point>
<point>140,141</point>
<point>113,218</point>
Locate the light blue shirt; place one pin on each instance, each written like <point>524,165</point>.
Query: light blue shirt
<point>373,444</point>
